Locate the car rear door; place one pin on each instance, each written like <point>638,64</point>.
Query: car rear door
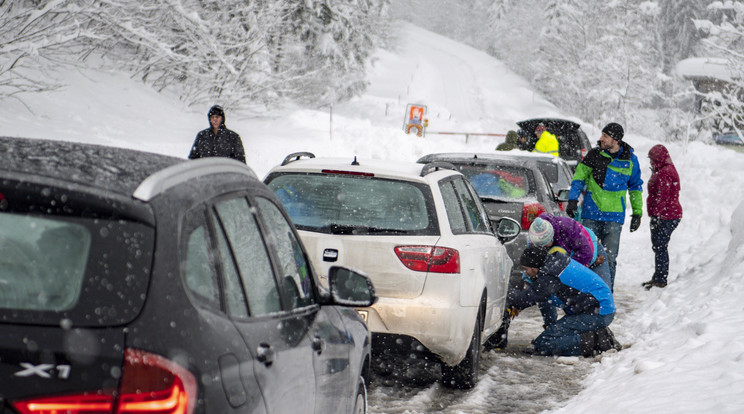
<point>481,254</point>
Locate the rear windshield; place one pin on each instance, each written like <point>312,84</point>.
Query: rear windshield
<point>87,267</point>
<point>353,204</point>
<point>43,262</point>
<point>498,181</point>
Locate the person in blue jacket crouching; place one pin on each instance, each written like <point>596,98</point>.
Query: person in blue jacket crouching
<point>584,297</point>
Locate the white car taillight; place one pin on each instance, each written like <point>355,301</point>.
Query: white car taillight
<point>429,258</point>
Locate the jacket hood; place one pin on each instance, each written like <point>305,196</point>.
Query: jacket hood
<point>216,109</point>
<point>659,156</point>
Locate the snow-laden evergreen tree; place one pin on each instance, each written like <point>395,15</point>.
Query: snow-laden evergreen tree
<point>678,34</point>
<point>725,39</point>
<point>322,47</point>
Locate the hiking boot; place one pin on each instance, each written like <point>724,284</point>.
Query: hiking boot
<point>587,344</point>
<point>604,340</point>
<point>652,283</point>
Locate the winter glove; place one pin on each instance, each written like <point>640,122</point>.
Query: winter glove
<point>635,222</point>
<point>513,313</point>
<point>571,208</point>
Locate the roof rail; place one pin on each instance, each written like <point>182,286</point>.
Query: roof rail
<point>297,156</point>
<point>436,166</point>
<point>166,178</point>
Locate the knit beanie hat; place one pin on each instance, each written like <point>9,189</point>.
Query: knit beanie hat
<point>541,232</point>
<point>533,256</point>
<point>614,130</point>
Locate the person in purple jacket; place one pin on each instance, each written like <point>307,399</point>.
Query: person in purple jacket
<point>576,241</point>
<point>579,242</point>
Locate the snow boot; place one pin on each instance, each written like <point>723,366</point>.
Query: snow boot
<point>587,344</point>
<point>605,340</point>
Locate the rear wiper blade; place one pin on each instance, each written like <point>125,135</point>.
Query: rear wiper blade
<point>356,229</point>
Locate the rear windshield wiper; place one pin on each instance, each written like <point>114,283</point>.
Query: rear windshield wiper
<point>357,229</point>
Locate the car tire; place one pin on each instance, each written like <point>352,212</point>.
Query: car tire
<point>465,374</point>
<point>360,401</point>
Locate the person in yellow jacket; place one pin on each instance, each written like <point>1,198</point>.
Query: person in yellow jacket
<point>547,143</point>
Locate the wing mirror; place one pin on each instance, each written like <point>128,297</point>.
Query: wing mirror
<point>507,229</point>
<point>562,195</point>
<point>349,288</point>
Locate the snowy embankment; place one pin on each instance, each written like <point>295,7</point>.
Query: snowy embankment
<point>687,342</point>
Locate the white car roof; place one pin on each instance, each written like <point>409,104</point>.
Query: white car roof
<point>380,168</point>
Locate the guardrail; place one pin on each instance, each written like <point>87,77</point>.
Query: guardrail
<point>467,134</point>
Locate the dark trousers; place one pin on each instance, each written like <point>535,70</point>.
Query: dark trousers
<point>564,337</point>
<point>661,232</point>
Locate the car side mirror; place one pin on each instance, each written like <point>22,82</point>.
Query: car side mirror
<point>507,229</point>
<point>349,288</point>
<point>562,195</point>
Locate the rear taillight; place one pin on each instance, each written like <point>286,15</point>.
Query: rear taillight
<point>429,258</point>
<point>149,384</point>
<point>72,404</point>
<point>153,384</point>
<point>530,211</point>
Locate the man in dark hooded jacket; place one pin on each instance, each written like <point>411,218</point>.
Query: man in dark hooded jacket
<point>217,140</point>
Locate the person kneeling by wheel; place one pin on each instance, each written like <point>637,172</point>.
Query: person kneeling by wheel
<point>582,294</point>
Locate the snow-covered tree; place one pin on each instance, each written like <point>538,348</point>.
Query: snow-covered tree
<point>677,32</point>
<point>726,39</point>
<point>33,36</point>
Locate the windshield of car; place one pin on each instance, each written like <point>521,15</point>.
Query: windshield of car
<point>354,204</point>
<point>497,181</point>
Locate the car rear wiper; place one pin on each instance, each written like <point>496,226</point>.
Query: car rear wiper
<point>357,229</point>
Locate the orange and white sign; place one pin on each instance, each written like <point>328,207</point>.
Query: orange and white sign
<point>415,119</point>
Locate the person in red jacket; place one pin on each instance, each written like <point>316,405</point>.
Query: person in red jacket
<point>663,209</point>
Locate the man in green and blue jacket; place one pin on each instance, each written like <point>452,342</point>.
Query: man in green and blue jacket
<point>605,175</point>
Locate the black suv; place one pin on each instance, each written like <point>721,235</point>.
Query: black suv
<point>573,142</point>
<point>139,283</point>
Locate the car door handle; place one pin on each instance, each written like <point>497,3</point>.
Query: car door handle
<point>265,354</point>
<point>317,344</point>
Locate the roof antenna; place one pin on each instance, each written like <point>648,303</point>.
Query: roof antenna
<point>355,162</point>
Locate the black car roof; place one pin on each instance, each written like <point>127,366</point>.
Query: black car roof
<point>112,169</point>
<point>124,172</point>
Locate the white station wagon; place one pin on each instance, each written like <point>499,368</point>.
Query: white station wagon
<point>422,236</point>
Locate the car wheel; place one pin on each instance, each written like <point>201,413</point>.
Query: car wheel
<point>465,374</point>
<point>360,402</point>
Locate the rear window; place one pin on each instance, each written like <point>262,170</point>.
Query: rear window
<point>497,181</point>
<point>352,204</point>
<point>43,262</point>
<point>62,262</point>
